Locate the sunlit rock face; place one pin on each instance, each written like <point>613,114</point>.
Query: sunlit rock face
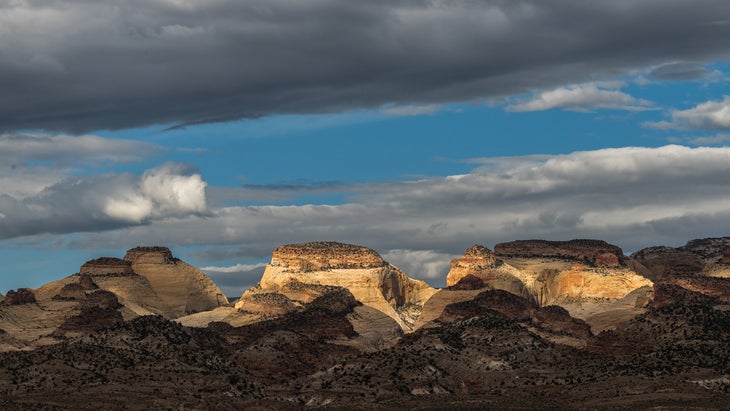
<point>480,263</point>
<point>583,276</point>
<point>296,268</point>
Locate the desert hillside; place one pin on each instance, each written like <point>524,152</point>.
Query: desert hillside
<point>532,324</point>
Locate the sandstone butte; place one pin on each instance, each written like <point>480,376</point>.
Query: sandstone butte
<point>295,268</point>
<point>149,280</point>
<point>592,279</point>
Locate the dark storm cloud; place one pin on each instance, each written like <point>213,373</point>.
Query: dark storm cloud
<point>80,65</point>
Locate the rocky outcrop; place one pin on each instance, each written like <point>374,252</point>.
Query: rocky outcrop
<point>706,257</point>
<point>711,250</point>
<point>477,261</point>
<point>360,270</point>
<point>323,256</point>
<point>182,289</point>
<point>19,297</point>
<point>77,290</point>
<point>100,309</point>
<point>551,319</point>
<point>480,263</point>
<point>150,254</point>
<point>592,252</point>
<point>671,261</point>
<point>106,266</point>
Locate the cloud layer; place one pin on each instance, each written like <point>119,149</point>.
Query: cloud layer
<point>631,196</point>
<point>109,64</point>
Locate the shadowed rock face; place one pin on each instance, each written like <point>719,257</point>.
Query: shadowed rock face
<point>711,250</point>
<point>707,257</point>
<point>19,297</point>
<point>594,252</point>
<point>668,260</point>
<point>324,255</point>
<point>100,309</point>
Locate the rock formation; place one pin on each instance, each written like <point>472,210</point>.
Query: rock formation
<point>480,263</point>
<point>706,257</point>
<point>19,297</point>
<point>106,266</point>
<point>583,276</point>
<point>661,261</point>
<point>296,268</point>
<point>182,288</point>
<point>323,256</point>
<point>149,281</point>
<point>593,252</point>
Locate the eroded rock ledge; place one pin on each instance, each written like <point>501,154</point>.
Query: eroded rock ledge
<point>106,266</point>
<point>150,255</point>
<point>593,252</point>
<point>323,256</point>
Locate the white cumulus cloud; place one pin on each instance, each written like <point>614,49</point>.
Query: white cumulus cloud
<point>582,97</point>
<point>421,264</point>
<point>710,115</point>
<point>106,201</point>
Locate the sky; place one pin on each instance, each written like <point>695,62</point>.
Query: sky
<point>419,128</point>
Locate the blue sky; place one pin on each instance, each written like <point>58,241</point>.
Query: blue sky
<point>417,129</point>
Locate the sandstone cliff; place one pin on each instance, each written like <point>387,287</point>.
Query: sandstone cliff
<point>583,276</point>
<point>296,269</point>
